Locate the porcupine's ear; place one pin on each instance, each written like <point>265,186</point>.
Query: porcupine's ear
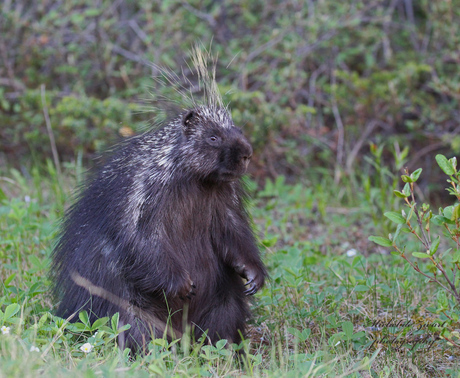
<point>187,120</point>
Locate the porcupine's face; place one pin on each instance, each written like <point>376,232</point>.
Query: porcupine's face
<point>220,152</point>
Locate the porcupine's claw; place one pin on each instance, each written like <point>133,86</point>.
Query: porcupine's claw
<point>192,291</point>
<point>252,289</point>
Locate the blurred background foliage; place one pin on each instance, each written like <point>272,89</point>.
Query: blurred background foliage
<point>313,83</point>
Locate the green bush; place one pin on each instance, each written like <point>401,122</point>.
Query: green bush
<point>311,84</point>
<point>443,264</point>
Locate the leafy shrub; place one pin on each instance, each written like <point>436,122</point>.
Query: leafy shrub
<point>443,266</point>
<point>312,84</point>
<point>84,124</point>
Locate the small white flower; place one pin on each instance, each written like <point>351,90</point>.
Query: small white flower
<point>27,199</point>
<point>351,252</point>
<point>86,348</point>
<point>33,348</point>
<point>5,330</point>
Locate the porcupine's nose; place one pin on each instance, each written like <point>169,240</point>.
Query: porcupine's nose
<point>246,152</point>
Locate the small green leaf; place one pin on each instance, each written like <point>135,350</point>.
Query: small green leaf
<point>416,174</point>
<point>306,333</point>
<point>155,369</point>
<point>445,253</point>
<point>294,331</point>
<point>361,288</point>
<point>347,328</point>
<point>456,257</point>
<point>444,164</point>
<point>124,328</point>
<point>443,302</point>
<point>221,343</point>
<point>11,310</point>
<point>420,255</point>
<point>2,195</point>
<point>106,329</point>
<point>99,323</point>
<point>398,230</point>
<point>84,318</point>
<point>358,335</point>
<point>406,178</point>
<point>9,279</point>
<point>439,220</point>
<point>92,12</point>
<point>43,319</point>
<point>406,189</point>
<point>434,246</point>
<point>395,253</point>
<point>455,213</point>
<point>448,212</point>
<point>399,194</point>
<point>270,242</point>
<point>433,269</point>
<point>114,321</point>
<point>302,336</point>
<point>77,327</point>
<point>381,241</point>
<point>395,217</point>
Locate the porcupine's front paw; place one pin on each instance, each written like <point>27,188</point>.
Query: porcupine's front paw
<point>188,290</point>
<point>254,277</point>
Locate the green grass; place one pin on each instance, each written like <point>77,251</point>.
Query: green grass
<point>313,318</point>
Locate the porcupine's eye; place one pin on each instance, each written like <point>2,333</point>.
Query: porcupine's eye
<point>213,140</point>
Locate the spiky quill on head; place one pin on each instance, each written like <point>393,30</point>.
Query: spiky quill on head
<point>195,89</point>
<point>207,77</point>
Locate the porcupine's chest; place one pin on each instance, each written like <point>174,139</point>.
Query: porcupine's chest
<point>205,238</point>
<point>194,220</point>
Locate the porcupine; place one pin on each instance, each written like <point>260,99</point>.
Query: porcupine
<point>160,233</point>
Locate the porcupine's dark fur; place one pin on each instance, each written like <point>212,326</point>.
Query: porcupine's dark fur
<point>162,228</point>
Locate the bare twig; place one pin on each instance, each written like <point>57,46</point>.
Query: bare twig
<point>4,54</point>
<point>139,32</point>
<point>130,56</point>
<point>416,268</point>
<point>312,90</point>
<point>204,16</point>
<point>257,51</point>
<point>425,239</point>
<point>7,179</point>
<point>369,128</point>
<point>340,129</point>
<point>16,84</point>
<point>271,43</point>
<point>50,131</point>
<point>425,150</point>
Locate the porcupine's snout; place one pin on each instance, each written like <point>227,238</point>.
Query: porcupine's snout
<point>235,155</point>
<point>244,153</point>
<point>238,155</point>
